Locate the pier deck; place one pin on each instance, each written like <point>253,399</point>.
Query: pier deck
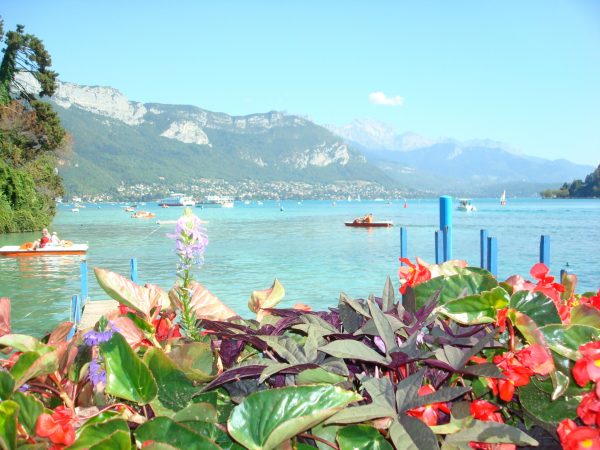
<point>93,310</point>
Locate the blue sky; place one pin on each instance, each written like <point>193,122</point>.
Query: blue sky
<point>526,73</point>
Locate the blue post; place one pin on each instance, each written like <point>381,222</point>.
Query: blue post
<point>83,270</point>
<point>403,244</point>
<point>545,250</point>
<point>563,272</point>
<point>492,255</point>
<point>483,236</point>
<point>133,266</point>
<point>74,315</point>
<point>439,247</point>
<point>446,224</point>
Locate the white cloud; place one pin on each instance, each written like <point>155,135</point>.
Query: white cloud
<point>379,98</point>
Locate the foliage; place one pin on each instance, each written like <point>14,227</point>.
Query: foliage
<point>588,188</point>
<point>460,361</point>
<point>31,136</point>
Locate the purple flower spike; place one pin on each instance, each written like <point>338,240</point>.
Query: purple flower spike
<point>97,337</point>
<point>96,372</point>
<point>190,240</point>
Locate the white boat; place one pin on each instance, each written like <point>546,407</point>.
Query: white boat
<point>464,204</point>
<point>503,198</point>
<point>177,200</point>
<point>216,201</point>
<point>74,210</point>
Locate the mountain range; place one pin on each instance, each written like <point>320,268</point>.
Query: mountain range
<point>119,142</point>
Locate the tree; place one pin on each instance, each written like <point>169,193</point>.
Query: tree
<point>24,54</point>
<point>31,136</point>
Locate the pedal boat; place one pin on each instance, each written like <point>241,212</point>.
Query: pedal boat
<point>49,250</point>
<point>381,224</point>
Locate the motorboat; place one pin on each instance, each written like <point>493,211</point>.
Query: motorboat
<point>49,250</point>
<point>464,204</point>
<point>177,200</point>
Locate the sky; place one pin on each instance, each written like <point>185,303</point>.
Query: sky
<point>525,73</point>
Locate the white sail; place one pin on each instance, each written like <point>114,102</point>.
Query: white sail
<point>503,198</point>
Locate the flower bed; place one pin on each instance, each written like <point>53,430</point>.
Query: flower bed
<point>460,361</point>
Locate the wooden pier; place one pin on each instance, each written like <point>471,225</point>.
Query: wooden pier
<point>93,310</point>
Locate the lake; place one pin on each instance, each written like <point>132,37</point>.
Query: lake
<point>306,246</point>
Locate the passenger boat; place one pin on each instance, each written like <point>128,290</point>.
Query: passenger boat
<point>464,204</point>
<point>381,224</point>
<point>177,200</point>
<point>48,250</point>
<point>216,201</point>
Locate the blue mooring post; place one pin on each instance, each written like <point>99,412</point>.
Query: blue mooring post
<point>483,235</point>
<point>545,250</point>
<point>446,224</point>
<point>403,244</point>
<point>492,255</point>
<point>75,315</point>
<point>439,247</point>
<point>83,271</point>
<point>563,272</point>
<point>134,273</point>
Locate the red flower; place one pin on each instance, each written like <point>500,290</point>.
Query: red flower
<point>516,375</point>
<point>428,413</point>
<point>411,275</point>
<point>573,437</point>
<point>501,319</point>
<point>58,427</point>
<point>546,283</point>
<point>588,367</point>
<point>164,326</point>
<point>486,411</point>
<point>594,300</point>
<point>589,409</point>
<point>537,358</point>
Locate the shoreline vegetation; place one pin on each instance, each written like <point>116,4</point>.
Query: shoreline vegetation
<point>459,360</point>
<point>588,188</point>
<point>31,136</point>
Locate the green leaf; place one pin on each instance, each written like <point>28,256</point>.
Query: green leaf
<point>175,390</point>
<point>566,340</point>
<point>491,432</point>
<point>215,433</point>
<point>326,432</point>
<point>318,376</point>
<point>9,411</point>
<point>286,347</point>
<point>93,433</point>
<point>7,385</point>
<point>537,306</point>
<point>30,409</point>
<point>474,309</point>
<point>409,433</point>
<point>267,298</point>
<point>220,399</point>
<point>350,349</point>
<point>362,437</point>
<point>119,440</point>
<point>31,365</point>
<point>384,329</point>
<point>196,360</point>
<point>362,413</point>
<point>267,418</point>
<point>167,431</point>
<point>407,390</point>
<point>388,299</point>
<point>542,407</point>
<point>468,282</point>
<point>24,343</point>
<point>583,314</point>
<point>197,412</point>
<point>126,292</point>
<point>126,375</point>
<point>380,390</point>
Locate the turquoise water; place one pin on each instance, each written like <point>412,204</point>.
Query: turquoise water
<point>306,246</point>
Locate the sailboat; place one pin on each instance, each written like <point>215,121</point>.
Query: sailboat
<point>503,199</point>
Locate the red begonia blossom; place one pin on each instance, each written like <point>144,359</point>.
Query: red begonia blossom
<point>411,274</point>
<point>428,413</point>
<point>57,427</point>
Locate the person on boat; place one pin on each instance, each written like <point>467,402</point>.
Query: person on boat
<point>43,241</point>
<point>368,218</point>
<point>54,240</point>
